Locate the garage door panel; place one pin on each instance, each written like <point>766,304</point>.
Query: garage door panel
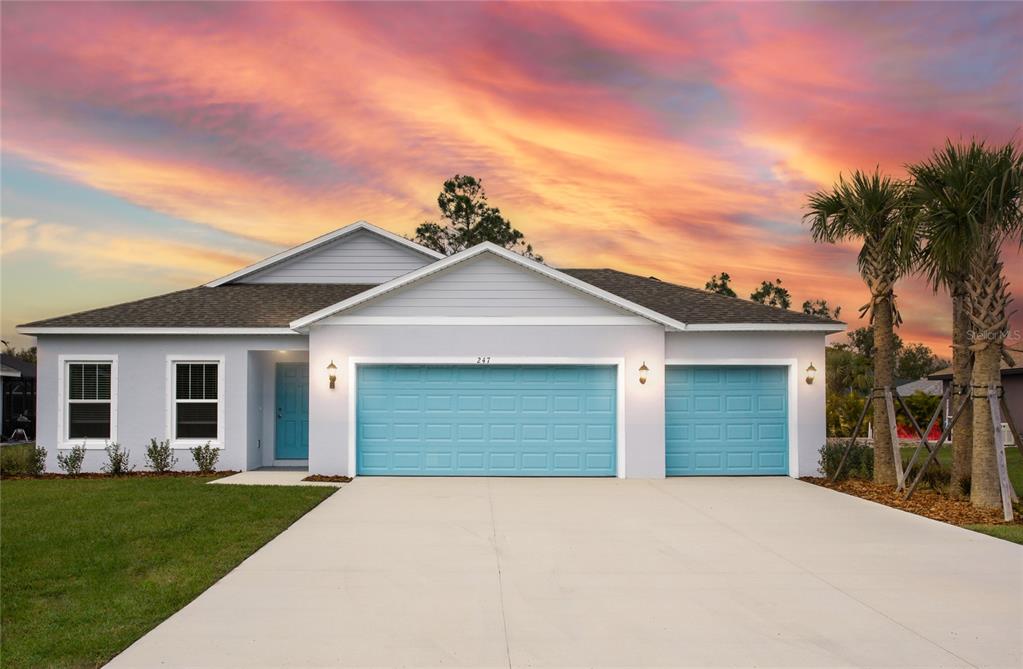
<point>726,420</point>
<point>486,420</point>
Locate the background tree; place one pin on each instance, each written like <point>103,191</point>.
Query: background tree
<point>719,283</point>
<point>469,220</point>
<point>772,294</point>
<point>869,207</point>
<point>915,361</point>
<point>26,354</point>
<point>821,308</point>
<point>861,340</point>
<point>967,203</point>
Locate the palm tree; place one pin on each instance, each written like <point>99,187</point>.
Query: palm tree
<point>869,207</point>
<point>966,202</point>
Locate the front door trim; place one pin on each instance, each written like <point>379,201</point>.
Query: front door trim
<point>793,388</point>
<point>618,363</point>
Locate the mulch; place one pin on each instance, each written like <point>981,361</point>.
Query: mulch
<point>130,475</point>
<point>323,478</point>
<point>927,503</point>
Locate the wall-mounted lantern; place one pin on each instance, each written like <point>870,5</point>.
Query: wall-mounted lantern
<point>332,373</point>
<point>811,372</point>
<point>642,372</point>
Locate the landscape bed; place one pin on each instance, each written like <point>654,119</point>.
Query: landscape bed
<point>938,504</point>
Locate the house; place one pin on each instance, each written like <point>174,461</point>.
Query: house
<point>17,397</point>
<point>363,353</point>
<point>1012,389</point>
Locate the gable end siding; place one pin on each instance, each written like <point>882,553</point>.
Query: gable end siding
<point>361,257</point>
<point>486,286</point>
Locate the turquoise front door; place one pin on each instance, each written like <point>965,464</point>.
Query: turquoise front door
<point>486,420</point>
<point>726,421</point>
<point>292,405</point>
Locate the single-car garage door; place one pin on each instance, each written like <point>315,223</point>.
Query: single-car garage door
<point>486,420</point>
<point>726,421</point>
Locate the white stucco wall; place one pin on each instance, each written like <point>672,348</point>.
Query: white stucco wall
<point>249,381</point>
<point>807,421</point>
<point>331,450</point>
<point>142,390</point>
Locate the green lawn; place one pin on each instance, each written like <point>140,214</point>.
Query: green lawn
<point>1014,461</point>
<point>88,566</point>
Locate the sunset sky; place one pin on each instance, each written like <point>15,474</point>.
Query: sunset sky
<point>153,147</point>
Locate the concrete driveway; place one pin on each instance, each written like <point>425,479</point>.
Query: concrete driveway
<point>710,572</point>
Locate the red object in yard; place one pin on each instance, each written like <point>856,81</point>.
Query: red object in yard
<point>907,432</point>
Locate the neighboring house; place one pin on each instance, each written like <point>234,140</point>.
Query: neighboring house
<point>927,386</point>
<point>481,363</point>
<point>17,397</point>
<point>1012,388</point>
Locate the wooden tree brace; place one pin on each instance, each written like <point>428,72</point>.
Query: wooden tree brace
<point>900,476</point>
<point>1007,416</point>
<point>923,434</point>
<point>852,441</point>
<point>1008,494</point>
<point>937,447</point>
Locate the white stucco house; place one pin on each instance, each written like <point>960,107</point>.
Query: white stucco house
<point>363,353</point>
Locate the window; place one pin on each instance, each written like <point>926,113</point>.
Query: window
<point>196,400</point>
<point>89,400</point>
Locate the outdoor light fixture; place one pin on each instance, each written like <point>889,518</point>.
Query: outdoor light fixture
<point>811,372</point>
<point>332,373</point>
<point>642,372</point>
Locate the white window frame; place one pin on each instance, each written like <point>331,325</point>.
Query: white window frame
<point>64,395</point>
<point>172,402</point>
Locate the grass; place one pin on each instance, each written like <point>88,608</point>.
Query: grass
<point>89,566</point>
<point>1013,533</point>
<point>1014,462</point>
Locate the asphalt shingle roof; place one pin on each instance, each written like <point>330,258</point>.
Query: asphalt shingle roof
<point>240,305</point>
<point>277,305</point>
<point>689,305</point>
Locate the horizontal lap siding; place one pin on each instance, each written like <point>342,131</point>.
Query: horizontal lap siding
<point>487,286</point>
<point>361,257</point>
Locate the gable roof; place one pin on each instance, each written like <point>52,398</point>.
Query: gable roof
<point>472,252</point>
<point>319,242</point>
<point>698,309</point>
<point>251,308</point>
<point>236,306</point>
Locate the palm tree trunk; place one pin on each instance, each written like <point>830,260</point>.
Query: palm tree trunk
<point>984,488</point>
<point>988,302</point>
<point>962,434</point>
<point>884,373</point>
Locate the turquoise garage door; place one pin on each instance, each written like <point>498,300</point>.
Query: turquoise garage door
<point>485,420</point>
<point>726,421</point>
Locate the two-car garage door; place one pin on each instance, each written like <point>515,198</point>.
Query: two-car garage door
<point>486,420</point>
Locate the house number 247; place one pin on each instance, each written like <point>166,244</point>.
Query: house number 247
<point>483,360</point>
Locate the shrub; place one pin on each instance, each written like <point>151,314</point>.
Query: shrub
<point>118,460</point>
<point>71,461</point>
<point>936,478</point>
<point>159,456</point>
<point>205,457</point>
<point>36,464</point>
<point>858,464</point>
